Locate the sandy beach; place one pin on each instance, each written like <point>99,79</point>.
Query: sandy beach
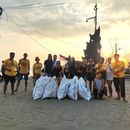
<point>21,111</point>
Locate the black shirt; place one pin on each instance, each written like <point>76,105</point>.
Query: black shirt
<point>56,71</point>
<point>48,66</point>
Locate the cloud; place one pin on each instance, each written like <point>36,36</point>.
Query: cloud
<point>68,21</point>
<point>62,20</point>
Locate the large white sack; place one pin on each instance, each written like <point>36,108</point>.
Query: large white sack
<point>63,88</point>
<point>40,87</point>
<point>51,89</point>
<point>73,89</point>
<point>84,91</point>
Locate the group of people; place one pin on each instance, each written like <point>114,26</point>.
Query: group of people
<point>98,75</point>
<point>11,70</point>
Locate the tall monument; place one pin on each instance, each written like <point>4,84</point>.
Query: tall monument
<point>93,47</point>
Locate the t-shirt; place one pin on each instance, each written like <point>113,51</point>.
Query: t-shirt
<point>24,66</point>
<point>83,69</point>
<point>56,71</point>
<point>118,66</point>
<point>37,68</point>
<point>10,67</point>
<point>48,66</point>
<point>100,67</point>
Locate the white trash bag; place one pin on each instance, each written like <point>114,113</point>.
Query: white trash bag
<point>84,90</point>
<point>63,88</point>
<point>51,89</point>
<point>73,89</point>
<point>40,87</point>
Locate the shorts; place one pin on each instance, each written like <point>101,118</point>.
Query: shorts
<point>10,79</point>
<point>21,76</point>
<point>36,77</point>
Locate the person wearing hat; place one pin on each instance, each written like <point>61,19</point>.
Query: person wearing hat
<point>37,70</point>
<point>24,69</point>
<point>11,67</point>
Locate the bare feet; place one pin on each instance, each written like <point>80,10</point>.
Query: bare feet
<point>110,96</point>
<point>15,90</point>
<point>118,98</point>
<point>13,93</point>
<point>124,100</point>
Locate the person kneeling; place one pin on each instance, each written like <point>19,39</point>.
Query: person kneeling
<point>99,87</point>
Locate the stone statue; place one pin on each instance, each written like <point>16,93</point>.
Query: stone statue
<point>93,46</point>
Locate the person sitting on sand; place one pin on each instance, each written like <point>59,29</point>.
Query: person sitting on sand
<point>99,88</point>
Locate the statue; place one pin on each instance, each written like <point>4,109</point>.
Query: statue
<point>93,48</point>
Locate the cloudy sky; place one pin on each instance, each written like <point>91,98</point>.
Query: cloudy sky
<point>62,29</point>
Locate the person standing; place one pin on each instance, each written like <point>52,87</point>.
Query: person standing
<point>109,76</point>
<point>91,74</point>
<point>10,67</point>
<point>54,60</point>
<point>73,67</point>
<point>48,64</point>
<point>119,77</point>
<point>101,68</point>
<point>24,69</point>
<point>2,71</point>
<point>57,71</point>
<point>37,70</point>
<point>83,68</point>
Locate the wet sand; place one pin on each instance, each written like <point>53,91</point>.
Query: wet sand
<point>21,111</point>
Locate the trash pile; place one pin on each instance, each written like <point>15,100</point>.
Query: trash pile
<point>46,87</point>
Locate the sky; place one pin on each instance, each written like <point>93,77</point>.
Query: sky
<point>62,29</point>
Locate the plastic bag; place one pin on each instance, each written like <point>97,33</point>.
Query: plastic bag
<point>73,89</point>
<point>51,89</point>
<point>84,91</point>
<point>63,88</point>
<point>39,88</point>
